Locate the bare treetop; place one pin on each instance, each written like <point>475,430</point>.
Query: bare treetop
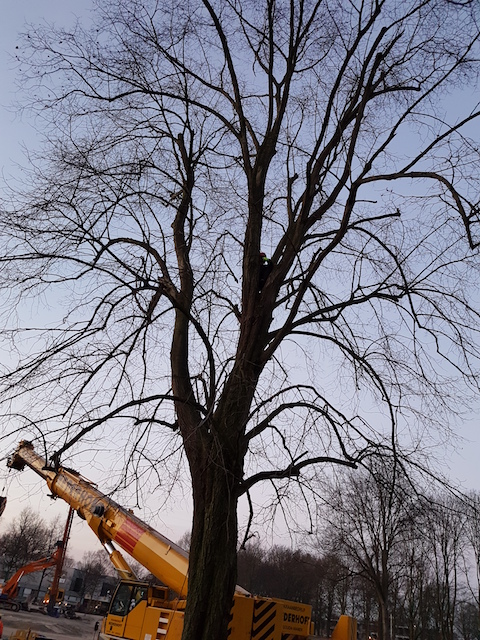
<point>259,225</point>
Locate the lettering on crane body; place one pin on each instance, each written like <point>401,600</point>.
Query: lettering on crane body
<point>296,617</point>
<point>82,495</point>
<point>112,623</point>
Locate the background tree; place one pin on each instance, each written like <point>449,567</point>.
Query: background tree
<point>445,533</point>
<point>467,621</point>
<point>334,584</point>
<point>95,566</point>
<point>27,538</point>
<point>428,592</point>
<point>371,514</point>
<point>416,606</point>
<point>472,533</point>
<point>181,142</point>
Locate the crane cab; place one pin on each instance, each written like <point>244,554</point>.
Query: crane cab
<point>141,610</point>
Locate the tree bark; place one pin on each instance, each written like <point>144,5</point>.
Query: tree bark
<point>212,578</point>
<point>215,449</point>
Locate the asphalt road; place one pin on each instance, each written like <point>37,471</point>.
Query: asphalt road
<point>54,628</point>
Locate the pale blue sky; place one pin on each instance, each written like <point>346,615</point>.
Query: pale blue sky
<point>15,14</point>
<point>26,490</point>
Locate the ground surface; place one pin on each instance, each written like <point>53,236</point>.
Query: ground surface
<point>54,628</point>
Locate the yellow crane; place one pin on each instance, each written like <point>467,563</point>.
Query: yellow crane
<point>140,611</point>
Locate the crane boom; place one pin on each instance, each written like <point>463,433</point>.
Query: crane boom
<point>110,522</point>
<point>139,610</point>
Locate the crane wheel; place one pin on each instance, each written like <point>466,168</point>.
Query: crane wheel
<point>15,606</point>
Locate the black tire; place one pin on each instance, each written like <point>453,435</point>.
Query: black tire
<point>15,607</point>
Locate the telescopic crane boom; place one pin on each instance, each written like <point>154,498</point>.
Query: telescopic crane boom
<point>142,611</point>
<point>110,522</point>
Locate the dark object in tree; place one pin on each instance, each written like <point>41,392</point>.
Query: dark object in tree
<point>3,504</point>
<point>266,266</point>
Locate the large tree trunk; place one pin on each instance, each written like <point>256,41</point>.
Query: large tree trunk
<point>215,448</point>
<point>212,577</point>
<point>215,452</point>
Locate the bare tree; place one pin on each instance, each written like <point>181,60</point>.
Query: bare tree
<point>182,141</point>
<point>27,538</point>
<point>415,601</point>
<point>466,626</point>
<point>445,533</point>
<point>372,512</point>
<point>94,566</point>
<point>472,532</point>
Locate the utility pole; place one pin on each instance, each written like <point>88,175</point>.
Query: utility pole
<point>59,566</point>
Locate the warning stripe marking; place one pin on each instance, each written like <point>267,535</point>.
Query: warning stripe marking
<point>128,535</point>
<point>262,609</point>
<point>263,620</point>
